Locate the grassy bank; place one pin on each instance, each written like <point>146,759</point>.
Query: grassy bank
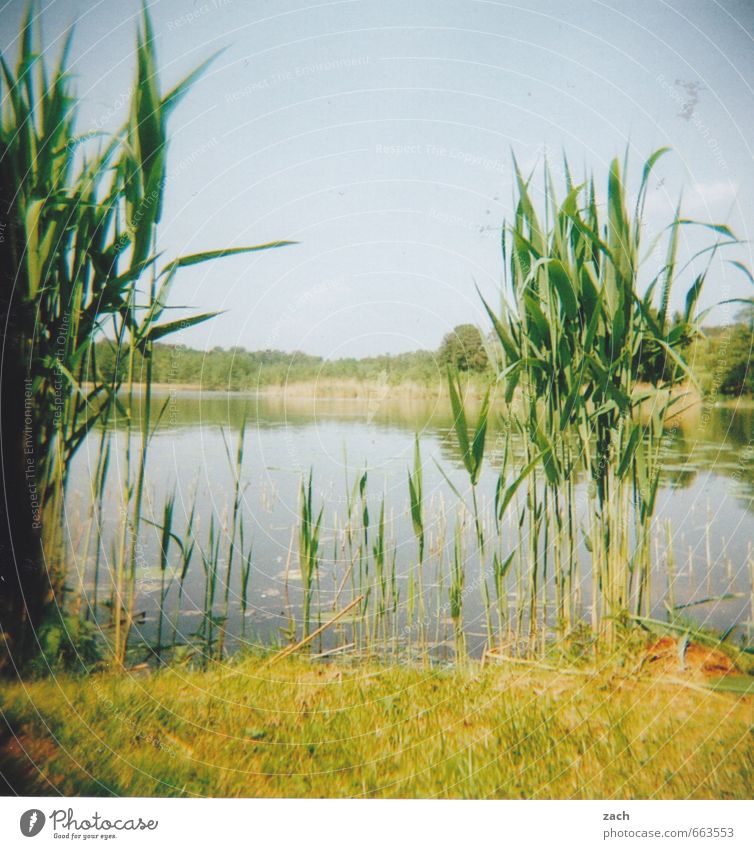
<point>302,728</point>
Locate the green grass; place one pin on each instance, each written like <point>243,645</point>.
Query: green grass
<point>302,728</point>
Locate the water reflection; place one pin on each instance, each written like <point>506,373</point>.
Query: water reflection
<point>706,496</point>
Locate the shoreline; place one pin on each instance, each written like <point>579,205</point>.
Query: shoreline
<point>374,392</point>
<point>325,390</point>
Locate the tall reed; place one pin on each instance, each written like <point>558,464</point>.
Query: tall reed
<point>308,548</point>
<point>416,573</point>
<point>81,266</point>
<point>575,335</point>
<point>472,450</point>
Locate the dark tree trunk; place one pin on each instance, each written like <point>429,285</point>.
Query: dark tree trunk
<point>24,587</point>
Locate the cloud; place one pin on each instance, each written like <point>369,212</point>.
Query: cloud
<point>713,198</point>
<point>707,200</point>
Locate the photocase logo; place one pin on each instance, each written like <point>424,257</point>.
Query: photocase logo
<point>32,822</point>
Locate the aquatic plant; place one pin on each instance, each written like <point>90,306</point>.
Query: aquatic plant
<point>80,259</point>
<point>575,327</point>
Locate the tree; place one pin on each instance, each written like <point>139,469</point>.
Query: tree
<point>735,360</point>
<point>463,349</point>
<point>746,316</point>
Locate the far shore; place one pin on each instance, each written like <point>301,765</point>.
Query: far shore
<point>329,389</point>
<point>376,391</point>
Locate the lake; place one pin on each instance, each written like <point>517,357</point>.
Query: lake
<point>703,531</point>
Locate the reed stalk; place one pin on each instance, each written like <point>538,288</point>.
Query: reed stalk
<point>308,549</point>
<point>81,241</point>
<point>577,337</point>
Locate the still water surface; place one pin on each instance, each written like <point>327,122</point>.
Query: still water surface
<point>706,499</point>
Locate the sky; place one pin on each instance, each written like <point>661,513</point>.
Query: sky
<point>379,135</point>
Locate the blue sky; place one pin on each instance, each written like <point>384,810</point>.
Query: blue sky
<point>379,135</point>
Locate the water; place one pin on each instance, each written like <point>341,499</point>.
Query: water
<point>707,492</point>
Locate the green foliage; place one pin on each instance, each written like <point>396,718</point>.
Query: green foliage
<point>576,338</point>
<point>652,363</point>
<point>738,376</point>
<point>66,642</point>
<point>80,243</point>
<point>455,591</point>
<point>237,369</point>
<point>81,235</point>
<point>308,547</point>
<point>416,498</point>
<point>472,450</point>
<point>723,360</point>
<point>463,350</point>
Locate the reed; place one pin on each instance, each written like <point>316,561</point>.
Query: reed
<point>308,548</point>
<point>210,555</point>
<point>472,450</point>
<point>187,545</point>
<point>381,578</point>
<point>165,541</point>
<point>574,334</point>
<point>589,363</point>
<point>246,566</point>
<point>416,573</point>
<point>236,525</point>
<point>82,267</point>
<point>455,591</point>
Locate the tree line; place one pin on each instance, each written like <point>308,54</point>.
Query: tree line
<point>238,369</point>
<point>720,357</point>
